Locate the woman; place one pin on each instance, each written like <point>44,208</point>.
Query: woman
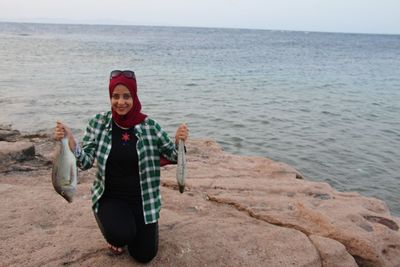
<point>127,146</point>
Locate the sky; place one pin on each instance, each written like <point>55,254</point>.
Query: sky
<point>355,16</point>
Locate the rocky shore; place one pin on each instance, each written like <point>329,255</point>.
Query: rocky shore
<point>236,211</point>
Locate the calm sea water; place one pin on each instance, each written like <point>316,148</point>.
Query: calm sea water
<point>327,104</point>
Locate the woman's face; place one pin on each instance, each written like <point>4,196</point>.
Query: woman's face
<point>121,100</point>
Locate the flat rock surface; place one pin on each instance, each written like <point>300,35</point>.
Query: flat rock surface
<point>235,211</point>
<point>19,151</point>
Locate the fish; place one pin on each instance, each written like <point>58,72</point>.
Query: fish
<point>181,167</point>
<point>65,172</point>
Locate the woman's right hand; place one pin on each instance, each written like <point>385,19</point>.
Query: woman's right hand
<point>62,131</point>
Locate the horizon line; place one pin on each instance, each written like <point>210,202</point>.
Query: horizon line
<point>61,21</point>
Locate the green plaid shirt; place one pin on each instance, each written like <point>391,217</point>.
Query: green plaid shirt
<point>153,141</point>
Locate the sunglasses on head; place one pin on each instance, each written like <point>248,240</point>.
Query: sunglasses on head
<point>127,73</point>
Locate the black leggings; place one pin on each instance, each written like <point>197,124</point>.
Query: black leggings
<point>123,224</point>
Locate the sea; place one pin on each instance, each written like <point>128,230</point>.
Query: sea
<point>327,104</point>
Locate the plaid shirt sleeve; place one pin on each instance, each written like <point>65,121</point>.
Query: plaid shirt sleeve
<point>95,141</point>
<point>166,147</point>
<point>89,147</point>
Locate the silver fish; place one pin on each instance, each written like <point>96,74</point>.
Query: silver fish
<point>65,172</point>
<point>181,168</point>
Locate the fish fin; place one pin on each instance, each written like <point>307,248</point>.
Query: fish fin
<point>67,195</point>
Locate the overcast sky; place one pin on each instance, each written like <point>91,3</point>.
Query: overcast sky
<point>361,16</point>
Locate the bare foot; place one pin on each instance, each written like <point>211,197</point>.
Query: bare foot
<point>116,250</point>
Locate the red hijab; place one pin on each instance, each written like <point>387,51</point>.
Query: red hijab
<point>134,116</point>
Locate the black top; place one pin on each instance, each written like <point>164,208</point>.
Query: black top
<point>122,170</point>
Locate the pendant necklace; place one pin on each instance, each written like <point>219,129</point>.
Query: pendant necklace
<point>125,137</point>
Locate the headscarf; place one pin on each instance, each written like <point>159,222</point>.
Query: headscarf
<point>134,116</point>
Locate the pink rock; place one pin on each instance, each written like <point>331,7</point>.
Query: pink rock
<point>236,211</point>
<point>332,252</point>
<point>19,151</point>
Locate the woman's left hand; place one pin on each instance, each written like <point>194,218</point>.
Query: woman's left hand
<point>181,133</point>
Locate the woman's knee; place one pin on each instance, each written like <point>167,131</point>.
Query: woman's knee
<point>145,246</point>
<point>143,256</point>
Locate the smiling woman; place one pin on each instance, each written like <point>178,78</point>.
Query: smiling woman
<point>121,100</point>
<point>125,104</point>
<point>128,147</point>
